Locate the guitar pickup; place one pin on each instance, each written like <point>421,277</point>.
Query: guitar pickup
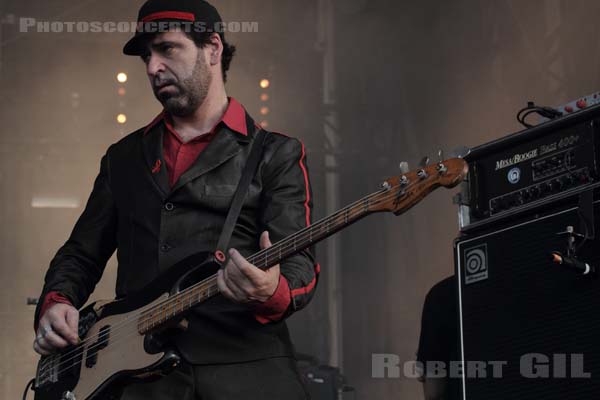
<point>92,355</point>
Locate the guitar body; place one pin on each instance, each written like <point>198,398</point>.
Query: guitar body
<point>113,352</point>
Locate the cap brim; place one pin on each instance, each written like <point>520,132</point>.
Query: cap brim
<point>135,45</point>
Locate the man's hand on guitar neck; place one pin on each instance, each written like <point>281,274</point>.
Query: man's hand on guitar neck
<point>243,282</point>
<point>57,329</point>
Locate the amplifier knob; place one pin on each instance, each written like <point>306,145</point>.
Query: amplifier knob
<point>494,205</point>
<point>519,200</point>
<point>534,192</point>
<point>568,180</point>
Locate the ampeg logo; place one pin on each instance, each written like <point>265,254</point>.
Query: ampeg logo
<point>514,175</point>
<point>476,264</point>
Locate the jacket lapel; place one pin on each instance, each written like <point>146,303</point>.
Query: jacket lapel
<point>225,145</point>
<point>152,143</point>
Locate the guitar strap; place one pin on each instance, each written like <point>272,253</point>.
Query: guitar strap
<point>240,193</point>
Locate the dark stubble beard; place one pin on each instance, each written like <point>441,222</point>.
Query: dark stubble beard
<point>190,92</point>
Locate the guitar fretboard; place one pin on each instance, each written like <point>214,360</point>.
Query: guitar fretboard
<point>177,304</point>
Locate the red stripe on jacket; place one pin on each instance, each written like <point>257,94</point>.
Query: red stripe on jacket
<point>303,167</point>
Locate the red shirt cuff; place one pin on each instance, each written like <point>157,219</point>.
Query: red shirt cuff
<point>275,307</point>
<point>50,299</point>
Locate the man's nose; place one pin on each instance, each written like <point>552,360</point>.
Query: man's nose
<point>154,66</point>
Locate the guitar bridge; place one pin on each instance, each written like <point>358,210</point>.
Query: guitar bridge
<point>47,372</point>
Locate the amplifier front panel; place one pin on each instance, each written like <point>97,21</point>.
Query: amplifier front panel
<point>525,173</point>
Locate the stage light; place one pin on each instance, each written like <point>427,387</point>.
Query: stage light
<point>54,202</point>
<point>264,97</point>
<point>121,118</point>
<point>264,110</point>
<point>265,83</point>
<point>264,124</point>
<point>122,77</point>
<point>121,91</point>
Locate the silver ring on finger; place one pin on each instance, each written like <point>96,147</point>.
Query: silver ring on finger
<point>46,330</point>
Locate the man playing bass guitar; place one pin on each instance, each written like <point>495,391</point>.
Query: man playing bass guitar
<point>162,194</point>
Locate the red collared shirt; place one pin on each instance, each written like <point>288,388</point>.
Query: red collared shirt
<point>179,157</point>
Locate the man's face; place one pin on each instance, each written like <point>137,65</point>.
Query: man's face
<point>178,71</point>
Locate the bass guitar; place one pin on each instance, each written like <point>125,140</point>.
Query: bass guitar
<point>118,338</point>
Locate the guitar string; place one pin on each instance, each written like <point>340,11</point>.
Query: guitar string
<point>147,314</point>
<point>276,247</point>
<point>354,213</point>
<point>250,259</point>
<point>127,321</point>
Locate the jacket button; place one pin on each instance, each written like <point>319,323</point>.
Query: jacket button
<point>165,247</point>
<point>169,206</point>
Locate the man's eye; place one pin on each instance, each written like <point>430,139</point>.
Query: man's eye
<point>167,48</point>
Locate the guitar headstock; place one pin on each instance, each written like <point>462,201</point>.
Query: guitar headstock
<point>400,193</point>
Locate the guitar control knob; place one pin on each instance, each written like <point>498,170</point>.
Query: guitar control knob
<point>68,396</point>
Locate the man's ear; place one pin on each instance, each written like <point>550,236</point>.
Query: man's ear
<point>216,48</point>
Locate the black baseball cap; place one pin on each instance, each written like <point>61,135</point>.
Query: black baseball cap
<point>188,12</point>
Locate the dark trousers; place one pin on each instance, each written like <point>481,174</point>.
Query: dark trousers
<point>270,379</point>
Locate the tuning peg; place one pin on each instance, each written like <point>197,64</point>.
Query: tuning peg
<point>440,166</point>
<point>404,167</point>
<point>460,152</point>
<point>424,162</point>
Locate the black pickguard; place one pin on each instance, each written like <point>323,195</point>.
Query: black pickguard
<point>185,273</point>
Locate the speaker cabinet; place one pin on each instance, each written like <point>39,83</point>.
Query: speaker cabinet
<point>529,329</point>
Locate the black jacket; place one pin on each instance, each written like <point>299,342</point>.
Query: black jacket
<point>133,209</point>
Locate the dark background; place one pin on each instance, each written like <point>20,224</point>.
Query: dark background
<point>365,84</point>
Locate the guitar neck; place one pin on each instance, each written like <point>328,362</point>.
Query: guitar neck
<point>397,195</point>
<point>315,233</point>
<point>178,304</point>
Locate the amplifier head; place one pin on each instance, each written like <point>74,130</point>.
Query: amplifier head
<point>532,168</point>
